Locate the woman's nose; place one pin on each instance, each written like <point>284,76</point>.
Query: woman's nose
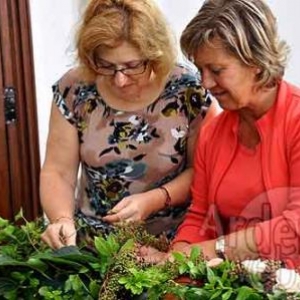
<point>208,80</point>
<point>120,79</point>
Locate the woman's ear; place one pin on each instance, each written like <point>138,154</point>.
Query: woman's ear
<point>257,71</point>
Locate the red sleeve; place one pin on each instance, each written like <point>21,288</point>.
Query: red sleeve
<point>192,229</point>
<point>279,237</point>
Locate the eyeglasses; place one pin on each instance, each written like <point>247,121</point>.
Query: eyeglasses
<point>132,68</point>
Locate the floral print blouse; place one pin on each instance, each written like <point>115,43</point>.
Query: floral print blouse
<point>124,153</point>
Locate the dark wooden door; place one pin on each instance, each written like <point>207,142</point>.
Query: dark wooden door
<point>19,151</point>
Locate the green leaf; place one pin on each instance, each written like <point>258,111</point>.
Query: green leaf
<point>183,269</point>
<point>179,256</point>
<point>69,255</point>
<point>123,280</point>
<point>66,251</point>
<point>210,275</point>
<point>106,247</point>
<point>11,264</point>
<point>113,244</point>
<point>195,253</point>
<point>7,285</point>
<point>94,288</point>
<point>3,223</point>
<point>128,245</point>
<point>20,215</point>
<point>6,260</point>
<point>37,264</point>
<point>227,295</point>
<point>216,295</point>
<point>247,293</point>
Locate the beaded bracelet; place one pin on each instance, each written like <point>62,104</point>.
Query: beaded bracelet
<point>168,197</point>
<point>63,217</point>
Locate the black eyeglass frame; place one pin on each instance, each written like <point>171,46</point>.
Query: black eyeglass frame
<point>128,71</point>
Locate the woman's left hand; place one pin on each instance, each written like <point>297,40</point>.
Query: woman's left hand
<point>152,255</point>
<point>133,208</point>
<point>207,248</point>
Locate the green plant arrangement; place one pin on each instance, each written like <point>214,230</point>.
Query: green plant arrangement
<point>107,268</point>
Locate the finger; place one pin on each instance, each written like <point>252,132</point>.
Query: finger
<point>52,240</point>
<point>70,240</point>
<point>67,235</point>
<point>119,206</point>
<point>48,236</point>
<point>154,259</point>
<point>58,243</point>
<point>46,240</point>
<point>112,218</point>
<point>131,219</point>
<point>143,250</point>
<point>214,262</point>
<point>149,251</point>
<point>151,255</point>
<point>122,215</point>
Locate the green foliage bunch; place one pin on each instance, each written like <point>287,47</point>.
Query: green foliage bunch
<point>31,270</point>
<point>108,268</point>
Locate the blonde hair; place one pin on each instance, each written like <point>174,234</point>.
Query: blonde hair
<point>246,28</point>
<point>107,23</point>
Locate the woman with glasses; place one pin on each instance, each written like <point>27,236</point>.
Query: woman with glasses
<point>127,115</point>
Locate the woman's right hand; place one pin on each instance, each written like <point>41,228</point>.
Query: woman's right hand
<point>137,207</point>
<point>60,234</point>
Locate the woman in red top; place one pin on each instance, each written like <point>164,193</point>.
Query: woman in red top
<point>245,193</point>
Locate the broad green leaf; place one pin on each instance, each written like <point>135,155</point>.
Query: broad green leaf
<point>9,263</point>
<point>66,251</point>
<point>67,255</point>
<point>5,260</point>
<point>37,264</point>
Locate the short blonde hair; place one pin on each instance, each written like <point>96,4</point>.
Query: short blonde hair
<point>107,23</point>
<point>246,28</point>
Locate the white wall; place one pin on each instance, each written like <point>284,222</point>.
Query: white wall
<point>53,25</point>
<point>287,13</point>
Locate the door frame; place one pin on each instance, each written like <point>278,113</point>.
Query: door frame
<point>21,156</point>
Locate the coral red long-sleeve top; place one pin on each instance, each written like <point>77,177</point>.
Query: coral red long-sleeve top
<point>277,232</point>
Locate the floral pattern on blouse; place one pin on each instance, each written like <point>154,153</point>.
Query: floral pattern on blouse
<point>124,153</point>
